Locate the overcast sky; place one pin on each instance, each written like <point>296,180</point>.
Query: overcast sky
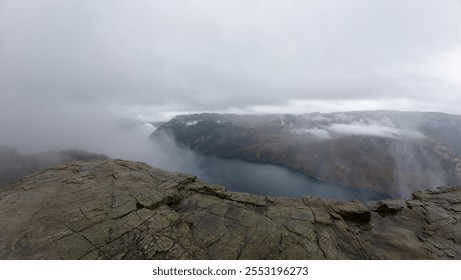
<point>78,62</point>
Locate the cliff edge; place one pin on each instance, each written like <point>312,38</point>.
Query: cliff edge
<point>114,209</point>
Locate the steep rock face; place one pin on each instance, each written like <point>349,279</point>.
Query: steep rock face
<point>127,210</point>
<point>390,152</point>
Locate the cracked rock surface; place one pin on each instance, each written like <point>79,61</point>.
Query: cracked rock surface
<point>114,209</point>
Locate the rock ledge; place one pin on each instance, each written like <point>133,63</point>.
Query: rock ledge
<point>114,209</point>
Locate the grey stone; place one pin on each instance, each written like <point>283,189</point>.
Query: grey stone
<point>129,210</point>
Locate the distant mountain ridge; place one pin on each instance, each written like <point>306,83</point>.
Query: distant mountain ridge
<point>387,151</point>
<point>14,165</point>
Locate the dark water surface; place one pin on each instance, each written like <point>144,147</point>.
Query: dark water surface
<point>273,180</point>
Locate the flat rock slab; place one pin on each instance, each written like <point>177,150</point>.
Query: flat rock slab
<point>114,209</point>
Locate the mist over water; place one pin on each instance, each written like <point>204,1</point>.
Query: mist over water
<point>250,177</point>
<point>131,141</point>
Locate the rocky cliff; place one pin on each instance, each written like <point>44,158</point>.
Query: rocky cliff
<point>118,209</point>
<point>390,152</point>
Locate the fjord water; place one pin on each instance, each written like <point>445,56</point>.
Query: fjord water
<point>249,177</point>
<point>273,180</point>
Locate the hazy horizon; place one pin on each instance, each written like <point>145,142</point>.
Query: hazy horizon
<point>70,70</point>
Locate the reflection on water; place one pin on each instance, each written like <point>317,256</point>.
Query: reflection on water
<point>268,179</point>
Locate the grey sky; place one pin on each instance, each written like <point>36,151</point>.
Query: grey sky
<point>77,61</point>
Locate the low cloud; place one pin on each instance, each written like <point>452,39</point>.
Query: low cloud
<point>383,128</point>
<point>374,130</point>
<point>70,69</point>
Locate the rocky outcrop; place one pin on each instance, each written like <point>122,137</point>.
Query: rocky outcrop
<point>395,153</point>
<point>128,210</point>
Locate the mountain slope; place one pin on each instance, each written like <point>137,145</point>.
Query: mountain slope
<point>392,152</point>
<point>127,210</point>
